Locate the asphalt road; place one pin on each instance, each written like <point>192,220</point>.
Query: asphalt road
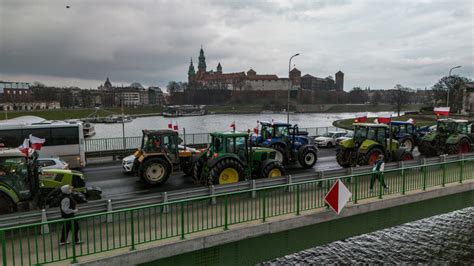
<point>115,183</point>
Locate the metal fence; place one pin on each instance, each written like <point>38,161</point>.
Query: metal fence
<point>129,143</point>
<point>39,243</point>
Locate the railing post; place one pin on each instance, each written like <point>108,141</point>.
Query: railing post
<point>298,199</point>
<point>109,209</point>
<point>182,219</point>
<point>381,177</point>
<point>166,207</point>
<point>132,230</point>
<point>462,168</point>
<point>403,178</point>
<point>73,236</point>
<point>264,206</point>
<point>226,218</point>
<point>424,174</point>
<point>289,181</point>
<point>4,247</point>
<point>213,193</point>
<point>327,190</point>
<point>253,185</point>
<point>443,181</point>
<point>44,219</point>
<point>356,188</point>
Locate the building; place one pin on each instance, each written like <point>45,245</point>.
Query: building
<point>27,106</point>
<point>468,98</point>
<point>309,82</point>
<point>155,96</point>
<point>15,91</point>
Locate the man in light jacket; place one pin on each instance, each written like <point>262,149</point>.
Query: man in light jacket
<point>377,173</point>
<point>68,210</point>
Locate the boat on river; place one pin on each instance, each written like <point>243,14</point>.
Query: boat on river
<point>88,129</point>
<point>184,110</point>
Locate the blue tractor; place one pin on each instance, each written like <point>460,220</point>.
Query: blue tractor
<point>407,134</point>
<point>290,144</point>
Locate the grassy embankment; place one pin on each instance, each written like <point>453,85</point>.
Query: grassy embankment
<point>421,120</point>
<point>80,113</point>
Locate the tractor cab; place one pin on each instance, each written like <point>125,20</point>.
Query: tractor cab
<point>452,126</point>
<point>160,141</point>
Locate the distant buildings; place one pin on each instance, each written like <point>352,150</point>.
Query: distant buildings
<point>468,98</point>
<point>133,95</point>
<point>203,79</point>
<point>16,96</point>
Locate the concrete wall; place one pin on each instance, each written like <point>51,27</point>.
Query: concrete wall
<point>267,85</point>
<point>257,242</point>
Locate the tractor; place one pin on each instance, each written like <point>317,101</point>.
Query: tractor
<point>24,186</point>
<point>159,156</point>
<point>370,141</point>
<point>290,144</point>
<point>406,133</point>
<point>451,136</point>
<point>231,158</point>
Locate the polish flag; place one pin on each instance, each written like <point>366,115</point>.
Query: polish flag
<point>361,118</point>
<point>170,125</point>
<point>175,127</point>
<point>338,196</point>
<point>411,121</point>
<point>233,125</point>
<point>273,122</point>
<point>385,118</point>
<point>255,129</point>
<point>441,111</point>
<point>36,143</point>
<point>24,148</point>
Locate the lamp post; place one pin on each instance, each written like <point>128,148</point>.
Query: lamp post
<point>289,87</point>
<point>449,77</point>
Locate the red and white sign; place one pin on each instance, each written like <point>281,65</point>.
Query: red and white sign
<point>24,148</point>
<point>233,125</point>
<point>36,143</point>
<point>361,118</point>
<point>384,118</point>
<point>338,196</point>
<point>441,111</point>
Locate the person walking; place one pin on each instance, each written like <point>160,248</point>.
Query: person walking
<point>68,210</point>
<point>377,173</point>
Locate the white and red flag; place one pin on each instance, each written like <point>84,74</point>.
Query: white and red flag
<point>175,127</point>
<point>36,143</point>
<point>170,125</point>
<point>361,118</point>
<point>273,122</point>
<point>441,111</point>
<point>384,118</point>
<point>24,148</point>
<point>411,121</point>
<point>338,196</point>
<point>233,125</point>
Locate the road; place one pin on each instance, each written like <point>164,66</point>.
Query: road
<point>115,183</point>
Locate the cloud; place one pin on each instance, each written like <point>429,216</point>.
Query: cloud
<point>375,43</point>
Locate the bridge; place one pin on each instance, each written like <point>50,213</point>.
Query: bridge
<point>246,226</point>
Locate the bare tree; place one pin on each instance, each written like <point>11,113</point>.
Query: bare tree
<point>400,97</point>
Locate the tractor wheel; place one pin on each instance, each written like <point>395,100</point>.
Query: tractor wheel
<point>427,149</point>
<point>156,171</point>
<point>280,154</point>
<point>187,168</point>
<point>370,157</point>
<point>197,171</point>
<point>329,145</point>
<point>227,171</point>
<point>406,156</point>
<point>408,143</point>
<point>273,169</point>
<point>6,204</point>
<point>307,158</point>
<point>463,146</point>
<point>343,158</point>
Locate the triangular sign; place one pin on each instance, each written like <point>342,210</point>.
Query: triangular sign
<point>338,196</point>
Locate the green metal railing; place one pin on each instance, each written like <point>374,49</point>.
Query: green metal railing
<point>39,243</point>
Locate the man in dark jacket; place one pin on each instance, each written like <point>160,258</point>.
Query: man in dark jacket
<point>68,210</point>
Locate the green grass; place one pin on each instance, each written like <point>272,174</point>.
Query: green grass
<point>81,113</point>
<point>421,120</point>
<point>349,108</point>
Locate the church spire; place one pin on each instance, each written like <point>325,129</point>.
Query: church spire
<point>219,68</point>
<point>202,61</point>
<point>191,68</point>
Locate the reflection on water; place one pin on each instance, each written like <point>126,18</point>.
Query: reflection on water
<point>208,123</point>
<point>447,238</point>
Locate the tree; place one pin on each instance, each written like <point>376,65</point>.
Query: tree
<point>357,95</point>
<point>173,87</point>
<point>376,98</point>
<point>400,97</point>
<point>455,84</point>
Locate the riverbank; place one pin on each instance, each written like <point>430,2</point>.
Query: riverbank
<point>420,120</point>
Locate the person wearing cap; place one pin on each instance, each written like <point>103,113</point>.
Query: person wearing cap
<point>377,170</point>
<point>68,210</point>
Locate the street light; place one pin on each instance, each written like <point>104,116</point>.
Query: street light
<point>449,77</point>
<point>289,87</point>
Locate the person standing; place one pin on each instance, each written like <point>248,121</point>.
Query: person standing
<point>377,173</point>
<point>68,210</point>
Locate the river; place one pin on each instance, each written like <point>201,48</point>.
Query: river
<point>216,122</point>
<point>441,239</point>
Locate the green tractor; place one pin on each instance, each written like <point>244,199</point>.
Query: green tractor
<point>368,143</point>
<point>450,137</point>
<point>22,186</point>
<point>231,158</point>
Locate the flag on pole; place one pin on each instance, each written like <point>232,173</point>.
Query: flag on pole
<point>255,129</point>
<point>175,127</point>
<point>273,122</point>
<point>36,143</point>
<point>24,148</point>
<point>385,118</point>
<point>361,118</point>
<point>441,111</point>
<point>170,125</point>
<point>233,125</point>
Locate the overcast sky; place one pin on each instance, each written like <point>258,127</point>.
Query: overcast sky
<point>375,43</point>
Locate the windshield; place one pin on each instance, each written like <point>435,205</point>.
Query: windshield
<point>360,133</point>
<point>14,171</point>
<point>217,145</point>
<point>329,135</point>
<point>449,127</point>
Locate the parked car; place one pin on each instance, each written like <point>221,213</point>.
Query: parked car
<point>348,135</point>
<point>328,140</point>
<point>52,163</point>
<point>127,162</point>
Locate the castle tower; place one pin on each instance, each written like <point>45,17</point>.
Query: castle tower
<point>191,72</point>
<point>219,68</point>
<point>339,81</point>
<point>202,62</point>
<point>295,77</point>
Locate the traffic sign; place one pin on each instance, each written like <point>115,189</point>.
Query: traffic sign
<point>338,196</point>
